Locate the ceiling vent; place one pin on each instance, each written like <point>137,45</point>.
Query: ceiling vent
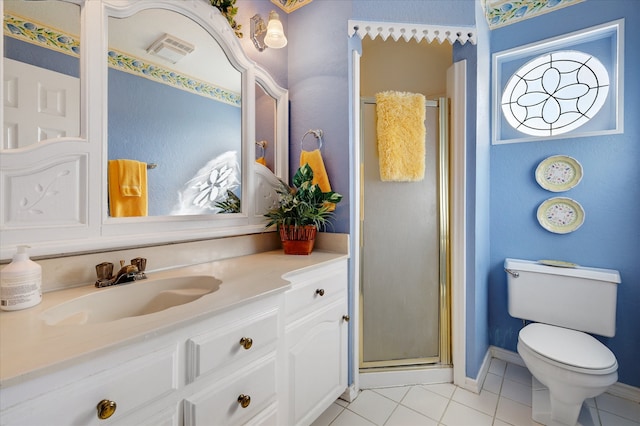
<point>170,48</point>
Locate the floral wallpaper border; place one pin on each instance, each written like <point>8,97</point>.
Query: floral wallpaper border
<point>131,65</point>
<point>31,32</point>
<point>290,5</point>
<point>505,12</point>
<point>17,27</point>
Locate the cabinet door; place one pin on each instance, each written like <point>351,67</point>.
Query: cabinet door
<point>317,362</point>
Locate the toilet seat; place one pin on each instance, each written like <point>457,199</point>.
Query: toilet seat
<point>569,349</point>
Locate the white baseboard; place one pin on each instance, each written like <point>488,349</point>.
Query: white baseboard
<point>506,355</point>
<point>617,389</point>
<point>349,394</point>
<point>625,391</point>
<point>475,385</point>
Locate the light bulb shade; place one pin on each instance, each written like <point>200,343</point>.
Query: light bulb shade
<point>275,37</point>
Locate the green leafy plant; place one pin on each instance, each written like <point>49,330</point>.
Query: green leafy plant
<point>229,10</point>
<point>304,204</point>
<point>230,205</point>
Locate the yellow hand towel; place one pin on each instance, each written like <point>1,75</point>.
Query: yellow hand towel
<point>127,188</point>
<point>401,136</point>
<point>129,178</point>
<point>261,160</point>
<point>320,176</point>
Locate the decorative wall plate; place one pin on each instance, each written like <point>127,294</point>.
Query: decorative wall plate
<point>558,173</point>
<point>560,215</point>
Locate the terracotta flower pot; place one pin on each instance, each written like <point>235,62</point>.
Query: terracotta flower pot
<point>297,239</point>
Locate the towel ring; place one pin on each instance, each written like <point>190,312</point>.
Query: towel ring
<point>262,144</point>
<point>318,135</point>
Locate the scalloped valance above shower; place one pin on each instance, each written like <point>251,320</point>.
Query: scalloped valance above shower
<point>407,32</point>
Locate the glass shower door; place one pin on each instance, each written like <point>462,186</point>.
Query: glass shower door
<point>400,248</point>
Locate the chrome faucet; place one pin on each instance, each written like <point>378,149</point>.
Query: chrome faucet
<point>126,274</point>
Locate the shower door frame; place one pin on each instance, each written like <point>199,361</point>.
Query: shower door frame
<point>444,270</point>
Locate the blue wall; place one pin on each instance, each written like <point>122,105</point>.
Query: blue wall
<point>40,57</point>
<point>609,190</point>
<point>178,130</point>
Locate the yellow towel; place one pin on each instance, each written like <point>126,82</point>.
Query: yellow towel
<point>127,188</point>
<point>320,176</point>
<point>261,160</point>
<point>401,136</point>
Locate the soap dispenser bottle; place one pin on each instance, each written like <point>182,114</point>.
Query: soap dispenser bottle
<point>20,282</point>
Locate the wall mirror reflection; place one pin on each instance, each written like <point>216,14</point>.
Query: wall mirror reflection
<point>158,83</point>
<point>265,128</point>
<point>174,118</point>
<point>41,72</point>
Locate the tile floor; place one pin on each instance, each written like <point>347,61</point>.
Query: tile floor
<point>505,400</point>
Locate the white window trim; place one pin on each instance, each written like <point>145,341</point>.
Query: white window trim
<point>564,42</point>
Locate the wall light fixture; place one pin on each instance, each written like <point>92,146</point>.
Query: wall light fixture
<point>270,35</point>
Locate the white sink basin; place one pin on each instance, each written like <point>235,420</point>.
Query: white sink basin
<point>131,300</point>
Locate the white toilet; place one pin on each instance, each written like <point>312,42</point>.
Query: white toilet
<point>566,303</point>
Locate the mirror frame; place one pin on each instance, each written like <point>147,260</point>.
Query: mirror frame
<point>90,228</point>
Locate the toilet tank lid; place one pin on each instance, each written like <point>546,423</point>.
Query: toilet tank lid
<point>600,274</point>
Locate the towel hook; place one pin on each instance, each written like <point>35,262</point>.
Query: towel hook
<point>318,135</point>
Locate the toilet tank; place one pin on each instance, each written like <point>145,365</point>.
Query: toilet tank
<point>579,298</point>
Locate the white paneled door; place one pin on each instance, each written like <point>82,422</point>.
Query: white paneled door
<point>39,104</point>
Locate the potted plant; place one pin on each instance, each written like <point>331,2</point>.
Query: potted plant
<point>302,210</point>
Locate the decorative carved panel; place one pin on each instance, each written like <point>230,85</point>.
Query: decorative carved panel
<point>47,195</point>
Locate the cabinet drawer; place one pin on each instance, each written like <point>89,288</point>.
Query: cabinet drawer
<point>238,341</point>
<point>221,404</point>
<point>313,290</point>
<point>131,385</point>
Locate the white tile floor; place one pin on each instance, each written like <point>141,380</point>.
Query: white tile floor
<point>505,400</point>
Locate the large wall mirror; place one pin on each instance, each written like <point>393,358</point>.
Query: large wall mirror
<point>161,84</point>
<point>175,105</point>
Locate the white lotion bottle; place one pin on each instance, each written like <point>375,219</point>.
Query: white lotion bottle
<point>20,282</point>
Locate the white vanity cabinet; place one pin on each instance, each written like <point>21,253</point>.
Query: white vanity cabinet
<point>316,336</point>
<point>196,372</point>
<point>273,353</point>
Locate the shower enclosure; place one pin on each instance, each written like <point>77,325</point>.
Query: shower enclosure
<point>404,277</point>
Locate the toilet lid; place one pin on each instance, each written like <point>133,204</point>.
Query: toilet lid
<point>566,346</point>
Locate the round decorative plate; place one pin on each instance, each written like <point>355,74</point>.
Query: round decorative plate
<point>558,173</point>
<point>560,215</point>
<point>557,263</point>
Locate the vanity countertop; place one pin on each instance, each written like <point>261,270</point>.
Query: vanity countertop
<point>30,348</point>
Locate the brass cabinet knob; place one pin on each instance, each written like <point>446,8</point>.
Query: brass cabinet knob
<point>320,292</point>
<point>346,318</point>
<point>244,400</point>
<point>246,342</point>
<point>106,409</point>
